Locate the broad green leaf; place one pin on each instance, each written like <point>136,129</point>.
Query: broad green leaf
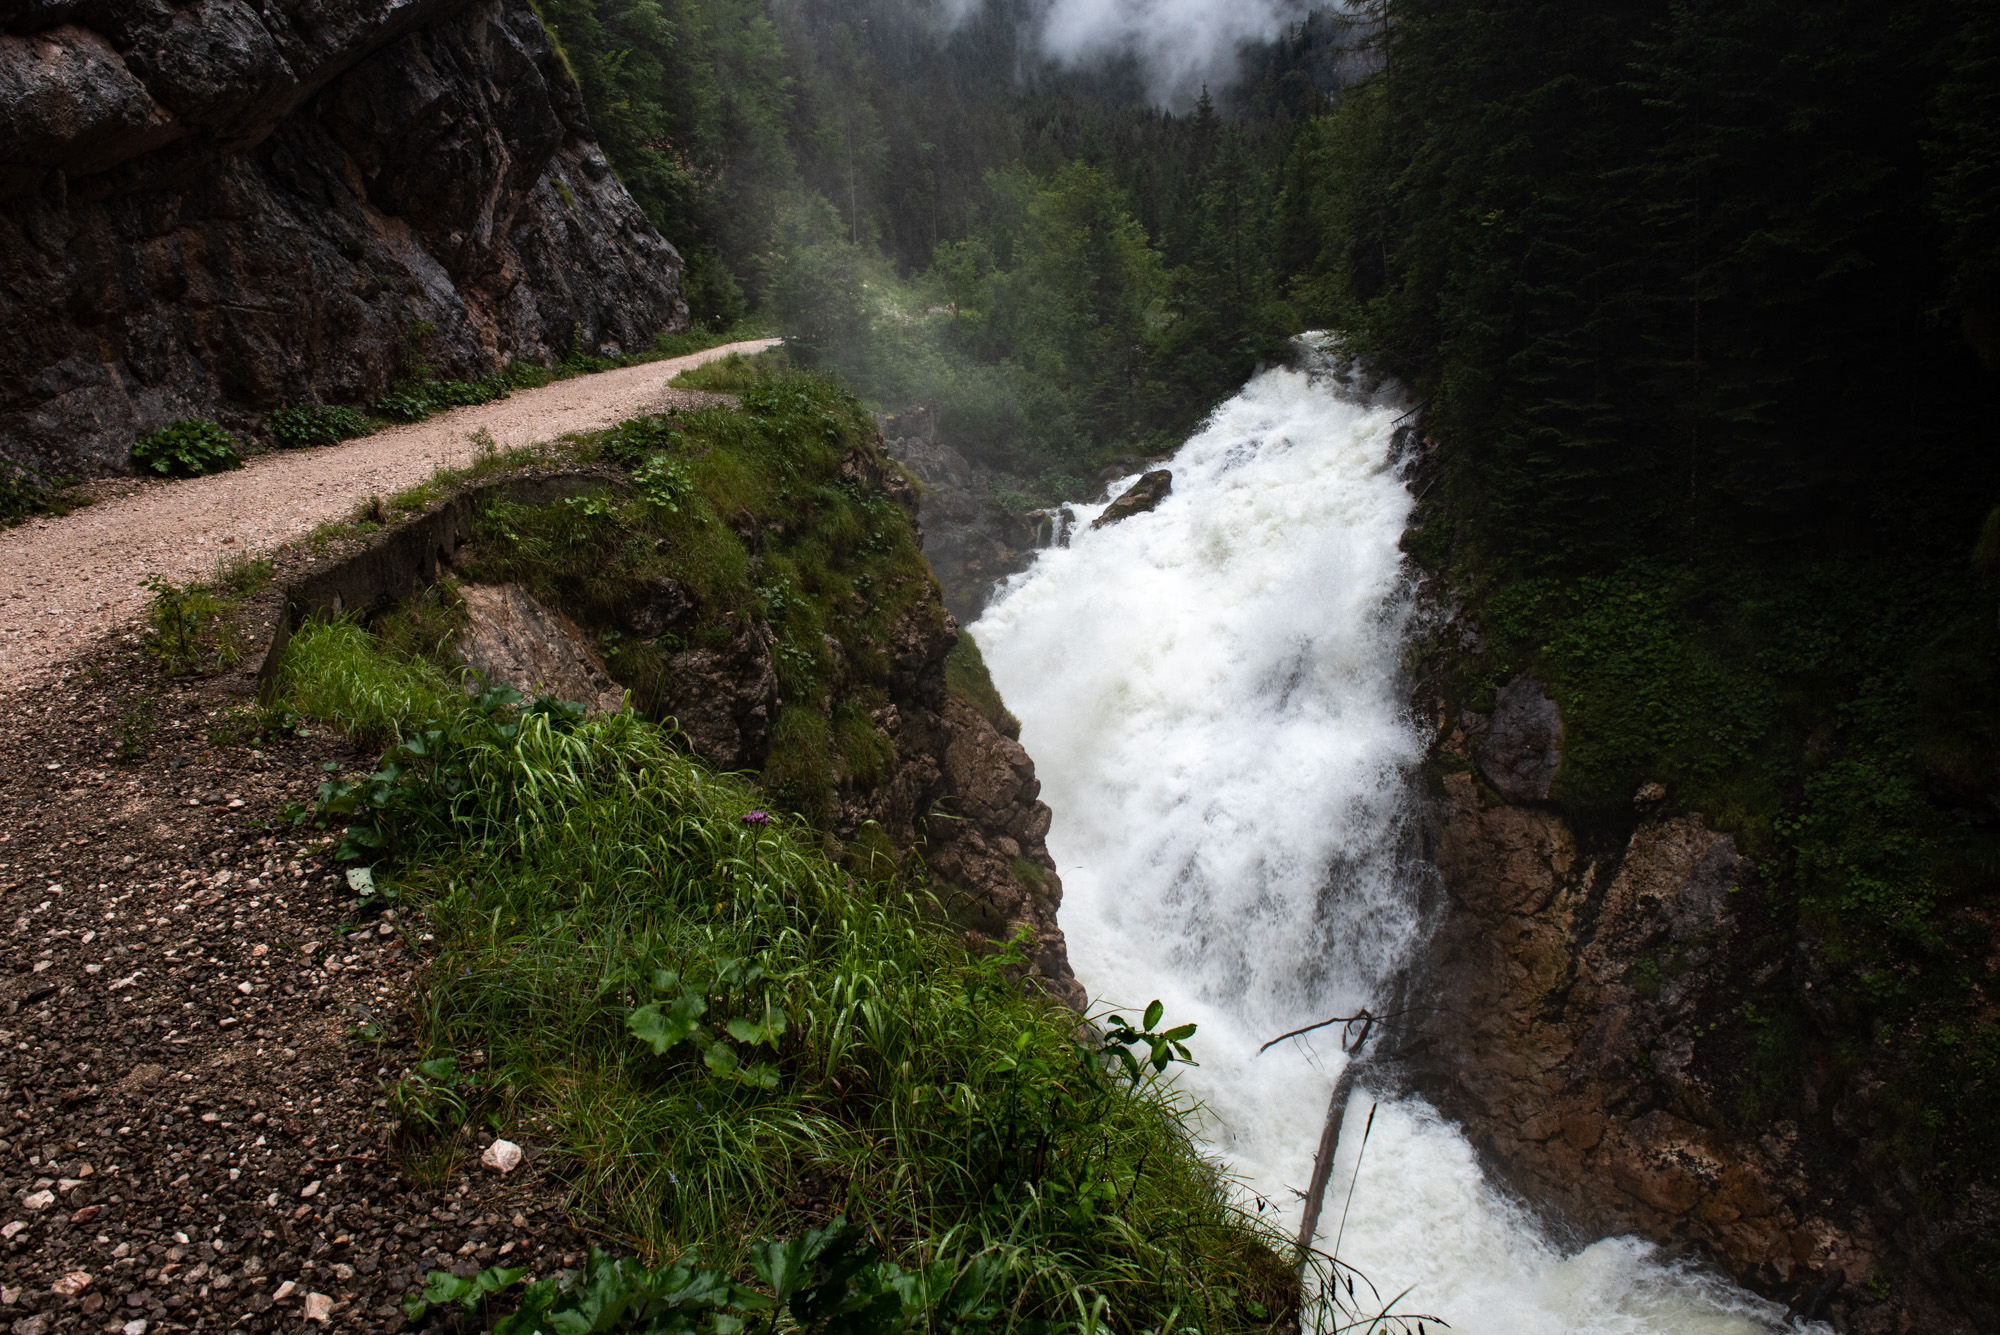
<point>721,1060</point>
<point>782,1265</point>
<point>497,1278</point>
<point>442,1287</point>
<point>767,1030</point>
<point>664,1027</point>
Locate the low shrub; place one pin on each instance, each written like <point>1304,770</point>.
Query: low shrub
<point>310,424</point>
<point>632,442</point>
<point>416,397</point>
<point>413,401</point>
<point>185,628</point>
<point>190,447</point>
<point>24,490</point>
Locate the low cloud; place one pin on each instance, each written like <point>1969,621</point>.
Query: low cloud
<point>1181,44</point>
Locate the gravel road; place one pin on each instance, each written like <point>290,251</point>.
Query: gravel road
<point>66,580</point>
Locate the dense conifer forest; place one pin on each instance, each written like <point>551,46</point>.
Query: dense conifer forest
<point>1701,304</point>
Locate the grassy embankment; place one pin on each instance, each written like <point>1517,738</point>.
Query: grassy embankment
<point>721,1032</point>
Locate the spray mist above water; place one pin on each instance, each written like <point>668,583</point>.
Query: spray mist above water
<point>1211,693</point>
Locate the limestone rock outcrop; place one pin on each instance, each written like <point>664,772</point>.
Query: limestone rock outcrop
<point>512,640</point>
<point>725,699</point>
<point>216,208</point>
<point>1522,748</point>
<point>1586,1011</point>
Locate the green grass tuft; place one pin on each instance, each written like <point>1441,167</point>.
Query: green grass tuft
<point>967,679</point>
<point>426,625</point>
<point>735,373</point>
<point>339,672</point>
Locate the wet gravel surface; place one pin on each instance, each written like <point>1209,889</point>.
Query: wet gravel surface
<point>64,580</point>
<point>193,1136</point>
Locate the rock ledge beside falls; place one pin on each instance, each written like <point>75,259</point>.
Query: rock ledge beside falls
<point>1143,495</point>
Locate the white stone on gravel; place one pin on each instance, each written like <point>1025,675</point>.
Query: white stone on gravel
<point>75,1282</point>
<point>38,1200</point>
<point>502,1156</point>
<point>319,1307</point>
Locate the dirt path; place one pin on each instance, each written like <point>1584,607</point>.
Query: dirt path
<point>65,581</point>
<point>191,1129</point>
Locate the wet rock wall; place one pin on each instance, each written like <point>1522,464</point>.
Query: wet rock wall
<point>218,208</point>
<point>1587,1010</point>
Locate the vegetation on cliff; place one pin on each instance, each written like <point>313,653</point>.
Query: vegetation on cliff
<point>724,1035</point>
<point>1697,301</point>
<point>750,513</point>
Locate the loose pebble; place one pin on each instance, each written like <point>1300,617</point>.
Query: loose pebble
<point>502,1156</point>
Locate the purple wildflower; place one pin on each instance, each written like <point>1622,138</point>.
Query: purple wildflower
<point>756,818</point>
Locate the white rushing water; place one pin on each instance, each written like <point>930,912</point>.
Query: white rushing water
<point>1211,694</point>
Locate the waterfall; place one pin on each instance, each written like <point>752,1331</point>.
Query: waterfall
<point>1213,697</point>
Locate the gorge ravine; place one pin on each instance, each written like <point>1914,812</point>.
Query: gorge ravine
<point>1213,696</point>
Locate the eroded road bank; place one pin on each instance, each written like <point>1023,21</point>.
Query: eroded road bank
<point>66,580</point>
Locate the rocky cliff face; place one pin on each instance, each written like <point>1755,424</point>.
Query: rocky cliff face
<point>957,787</point>
<point>218,207</point>
<point>1584,1013</point>
<point>953,787</point>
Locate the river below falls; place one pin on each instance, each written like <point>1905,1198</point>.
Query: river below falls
<point>1213,696</point>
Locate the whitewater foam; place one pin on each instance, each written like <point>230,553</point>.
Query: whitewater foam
<point>1212,696</point>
